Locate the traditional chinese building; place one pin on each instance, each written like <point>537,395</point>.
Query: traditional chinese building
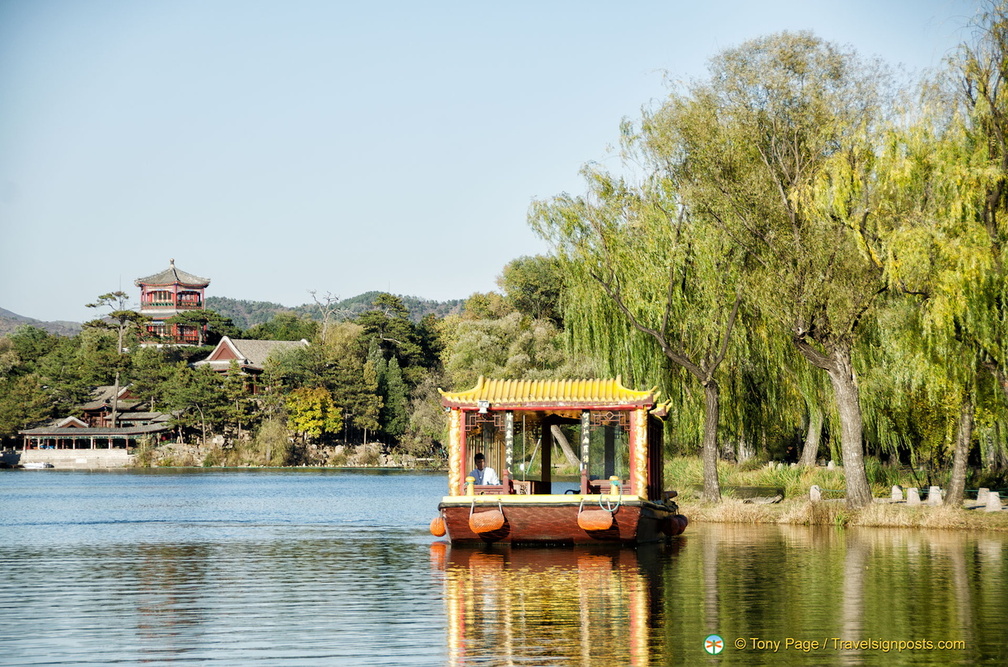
<point>248,355</point>
<point>166,294</point>
<point>135,421</point>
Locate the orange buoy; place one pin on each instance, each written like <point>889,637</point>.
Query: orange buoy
<point>486,522</point>
<point>595,520</point>
<point>437,527</point>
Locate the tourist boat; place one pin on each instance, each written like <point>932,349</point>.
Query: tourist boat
<point>618,496</point>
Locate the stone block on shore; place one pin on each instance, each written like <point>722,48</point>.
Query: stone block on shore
<point>897,493</point>
<point>913,496</point>
<point>934,496</point>
<point>993,502</point>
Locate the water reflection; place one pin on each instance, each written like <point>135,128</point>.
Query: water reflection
<point>840,588</point>
<point>789,595</point>
<point>228,569</point>
<point>551,606</point>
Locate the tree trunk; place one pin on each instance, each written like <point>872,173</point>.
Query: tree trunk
<point>845,388</point>
<point>810,450</point>
<point>709,450</point>
<point>561,439</point>
<point>957,483</point>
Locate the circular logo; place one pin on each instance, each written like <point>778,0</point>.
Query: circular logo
<point>713,644</point>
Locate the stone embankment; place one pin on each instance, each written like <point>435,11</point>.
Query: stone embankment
<point>212,455</point>
<point>69,459</point>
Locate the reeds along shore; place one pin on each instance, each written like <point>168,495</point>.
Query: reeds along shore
<point>835,513</point>
<point>684,474</point>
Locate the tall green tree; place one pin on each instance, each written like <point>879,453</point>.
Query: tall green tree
<point>509,347</point>
<point>779,143</point>
<point>30,344</point>
<point>24,403</point>
<point>125,322</point>
<point>981,68</point>
<point>944,173</point>
<point>341,367</point>
<point>199,401</point>
<point>150,374</point>
<point>388,322</point>
<point>533,286</point>
<point>66,369</point>
<point>396,417</point>
<point>312,413</point>
<point>643,255</point>
<point>284,326</point>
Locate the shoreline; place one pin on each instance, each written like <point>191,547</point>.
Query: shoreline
<point>883,513</point>
<point>880,514</point>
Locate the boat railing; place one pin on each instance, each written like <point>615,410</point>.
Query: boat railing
<point>605,486</point>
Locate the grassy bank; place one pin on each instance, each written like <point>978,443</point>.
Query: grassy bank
<point>801,512</point>
<point>685,475</point>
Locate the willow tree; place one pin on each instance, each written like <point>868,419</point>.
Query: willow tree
<point>782,158</point>
<point>982,71</point>
<point>952,166</point>
<point>932,188</point>
<point>638,258</point>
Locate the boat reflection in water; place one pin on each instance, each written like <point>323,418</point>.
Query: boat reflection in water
<point>551,606</point>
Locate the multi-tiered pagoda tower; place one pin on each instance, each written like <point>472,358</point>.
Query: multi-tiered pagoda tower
<point>166,294</point>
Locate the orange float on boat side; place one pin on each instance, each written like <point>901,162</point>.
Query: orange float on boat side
<point>595,520</point>
<point>486,522</point>
<point>437,526</point>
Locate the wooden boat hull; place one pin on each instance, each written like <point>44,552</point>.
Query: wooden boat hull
<point>554,519</point>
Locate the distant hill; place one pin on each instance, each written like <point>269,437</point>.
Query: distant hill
<point>10,321</point>
<point>246,314</point>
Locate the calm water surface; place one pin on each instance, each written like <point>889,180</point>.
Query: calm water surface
<point>284,568</point>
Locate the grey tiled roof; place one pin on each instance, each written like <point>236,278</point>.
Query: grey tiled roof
<point>252,354</point>
<point>257,351</point>
<point>173,275</point>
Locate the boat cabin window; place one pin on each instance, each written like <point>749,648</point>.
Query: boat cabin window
<point>609,445</point>
<point>485,432</point>
<point>536,446</point>
<point>532,455</point>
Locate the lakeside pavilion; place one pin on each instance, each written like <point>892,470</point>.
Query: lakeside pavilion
<point>166,294</point>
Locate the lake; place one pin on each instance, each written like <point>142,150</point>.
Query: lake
<point>335,567</point>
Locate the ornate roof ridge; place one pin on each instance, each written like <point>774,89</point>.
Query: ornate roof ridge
<point>171,276</point>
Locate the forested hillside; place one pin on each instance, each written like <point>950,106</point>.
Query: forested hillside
<point>246,314</point>
<point>10,321</point>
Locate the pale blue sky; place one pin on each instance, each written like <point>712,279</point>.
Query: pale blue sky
<point>280,147</point>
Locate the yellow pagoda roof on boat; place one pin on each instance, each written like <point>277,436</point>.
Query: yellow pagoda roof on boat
<point>531,394</point>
